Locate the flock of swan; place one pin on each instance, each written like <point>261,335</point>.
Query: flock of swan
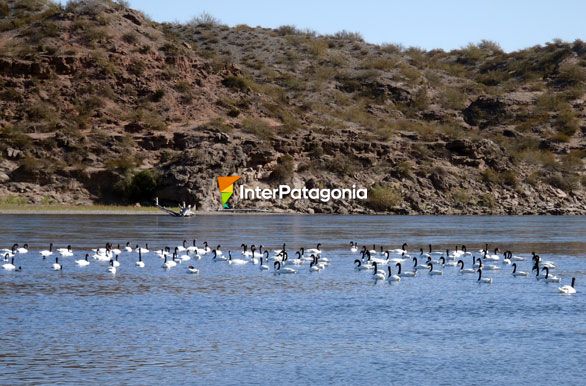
<point>371,260</point>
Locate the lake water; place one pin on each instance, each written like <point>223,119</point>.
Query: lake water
<point>237,325</point>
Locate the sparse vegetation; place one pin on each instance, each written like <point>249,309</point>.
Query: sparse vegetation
<point>383,198</point>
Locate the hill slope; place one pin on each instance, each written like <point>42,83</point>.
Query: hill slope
<point>100,104</point>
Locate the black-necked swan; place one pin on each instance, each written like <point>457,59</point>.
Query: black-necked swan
<point>493,257</point>
<point>314,266</point>
<point>487,280</point>
<point>378,274</point>
<point>23,249</point>
<point>191,269</point>
<point>111,267</point>
<point>233,261</point>
<point>245,252</point>
<point>182,247</point>
<point>435,252</point>
<point>568,289</point>
<point>56,265</point>
<point>65,252</point>
<point>298,260</point>
<point>9,266</point>
<point>549,264</point>
<point>400,251</point>
<point>279,251</point>
<point>128,248</point>
<point>116,263</point>
<point>550,279</point>
<point>353,247</point>
<point>507,257</point>
<point>536,268</point>
<point>434,272</point>
<point>215,256</point>
<point>139,263</point>
<point>316,250</point>
<point>450,263</point>
<point>219,250</point>
<point>143,250</point>
<point>116,250</point>
<point>83,262</point>
<point>393,277</point>
<point>465,270</point>
<point>284,270</point>
<point>476,262</point>
<point>418,266</point>
<point>47,253</point>
<point>263,267</point>
<point>518,273</point>
<point>361,267</point>
<point>169,264</point>
<point>203,251</point>
<point>430,260</point>
<point>405,274</point>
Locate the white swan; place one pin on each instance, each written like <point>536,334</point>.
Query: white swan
<point>56,265</point>
<point>83,262</point>
<point>568,289</point>
<point>46,253</point>
<point>518,273</point>
<point>465,270</point>
<point>486,280</point>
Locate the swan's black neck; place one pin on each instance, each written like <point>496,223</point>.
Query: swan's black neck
<point>399,266</point>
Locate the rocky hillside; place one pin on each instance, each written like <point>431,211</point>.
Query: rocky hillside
<point>100,104</point>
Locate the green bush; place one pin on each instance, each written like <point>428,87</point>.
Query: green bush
<point>4,9</point>
<point>138,187</point>
<point>237,83</point>
<point>284,170</point>
<point>383,198</point>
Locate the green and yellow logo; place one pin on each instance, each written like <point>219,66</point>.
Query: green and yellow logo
<point>226,185</point>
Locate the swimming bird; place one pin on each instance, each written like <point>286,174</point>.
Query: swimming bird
<point>56,265</point>
<point>182,247</point>
<point>116,263</point>
<point>111,267</point>
<point>400,251</point>
<point>128,248</point>
<point>280,251</point>
<point>83,262</point>
<point>393,277</point>
<point>284,270</point>
<point>215,256</point>
<point>537,259</point>
<point>361,267</point>
<point>316,250</point>
<point>353,247</point>
<point>144,250</point>
<point>434,272</point>
<point>65,252</point>
<point>418,266</point>
<point>487,280</point>
<point>519,273</point>
<point>550,279</point>
<point>169,264</point>
<point>313,266</point>
<point>46,253</point>
<point>191,269</point>
<point>9,266</point>
<point>451,263</point>
<point>405,274</point>
<point>232,261</point>
<point>463,270</point>
<point>116,250</point>
<point>377,273</point>
<point>568,289</point>
<point>263,267</point>
<point>139,263</point>
<point>23,249</point>
<point>507,257</point>
<point>493,257</point>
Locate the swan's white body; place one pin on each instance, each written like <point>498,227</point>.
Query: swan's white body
<point>82,263</point>
<point>9,267</point>
<point>140,264</point>
<point>568,289</point>
<point>192,270</point>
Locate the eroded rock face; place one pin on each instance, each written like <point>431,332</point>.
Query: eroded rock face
<point>485,112</point>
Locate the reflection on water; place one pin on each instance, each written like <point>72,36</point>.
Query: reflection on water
<point>234,325</point>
